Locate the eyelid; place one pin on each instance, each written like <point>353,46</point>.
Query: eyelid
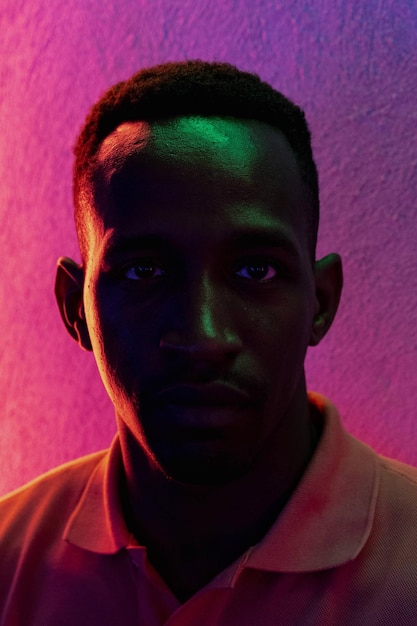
<point>145,261</point>
<point>266,259</point>
<point>262,260</point>
<point>137,278</point>
<point>266,279</point>
<point>119,268</point>
<point>253,264</point>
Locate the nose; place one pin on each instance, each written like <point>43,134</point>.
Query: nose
<point>202,324</point>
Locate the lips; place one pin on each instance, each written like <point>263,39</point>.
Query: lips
<point>202,395</point>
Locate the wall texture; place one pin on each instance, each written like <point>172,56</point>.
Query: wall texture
<point>351,64</point>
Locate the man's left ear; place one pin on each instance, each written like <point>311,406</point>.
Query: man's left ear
<point>328,277</point>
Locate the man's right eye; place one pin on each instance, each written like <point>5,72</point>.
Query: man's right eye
<point>143,271</point>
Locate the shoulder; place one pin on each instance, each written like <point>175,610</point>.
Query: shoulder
<point>53,494</point>
<point>398,470</point>
<point>398,487</point>
<point>392,544</point>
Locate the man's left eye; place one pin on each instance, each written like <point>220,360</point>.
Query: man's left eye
<point>261,271</point>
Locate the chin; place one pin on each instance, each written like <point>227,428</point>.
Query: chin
<point>204,469</point>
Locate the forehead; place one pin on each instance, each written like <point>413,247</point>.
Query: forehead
<point>194,169</point>
<point>227,144</point>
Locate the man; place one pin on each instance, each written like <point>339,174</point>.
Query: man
<point>230,496</point>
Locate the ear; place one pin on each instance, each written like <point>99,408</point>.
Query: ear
<point>69,284</point>
<point>328,277</point>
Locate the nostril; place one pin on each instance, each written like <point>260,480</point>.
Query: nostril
<point>207,349</point>
<point>198,362</point>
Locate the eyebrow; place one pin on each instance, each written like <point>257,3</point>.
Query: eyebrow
<point>270,238</point>
<point>256,238</point>
<point>118,243</point>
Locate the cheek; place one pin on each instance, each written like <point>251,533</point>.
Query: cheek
<point>123,338</point>
<point>285,326</point>
<point>276,341</point>
<point>106,335</point>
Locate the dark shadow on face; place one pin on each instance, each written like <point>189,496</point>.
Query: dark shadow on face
<point>200,294</point>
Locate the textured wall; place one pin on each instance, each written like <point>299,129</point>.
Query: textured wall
<point>351,64</point>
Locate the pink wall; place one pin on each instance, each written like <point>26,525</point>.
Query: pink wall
<point>352,65</point>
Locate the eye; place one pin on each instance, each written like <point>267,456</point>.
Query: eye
<point>257,269</point>
<point>144,270</point>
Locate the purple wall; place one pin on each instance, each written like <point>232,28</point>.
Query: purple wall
<point>351,65</point>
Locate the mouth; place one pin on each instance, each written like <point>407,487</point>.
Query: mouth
<point>204,407</point>
<point>202,395</point>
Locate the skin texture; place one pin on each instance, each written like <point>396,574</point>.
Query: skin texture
<point>199,299</point>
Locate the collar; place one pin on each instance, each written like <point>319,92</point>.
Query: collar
<point>96,523</point>
<point>330,515</point>
<point>325,523</point>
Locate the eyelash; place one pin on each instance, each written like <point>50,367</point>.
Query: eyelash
<point>253,263</point>
<point>143,264</point>
<point>258,262</point>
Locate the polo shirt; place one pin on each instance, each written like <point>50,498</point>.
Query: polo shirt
<point>342,551</point>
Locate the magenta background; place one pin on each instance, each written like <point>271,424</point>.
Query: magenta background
<point>351,64</point>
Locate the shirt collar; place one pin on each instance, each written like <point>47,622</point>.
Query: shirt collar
<point>329,516</point>
<point>325,523</point>
<point>96,523</point>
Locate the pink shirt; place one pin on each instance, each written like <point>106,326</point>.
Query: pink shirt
<point>342,552</point>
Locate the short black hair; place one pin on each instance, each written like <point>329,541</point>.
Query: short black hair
<point>193,88</point>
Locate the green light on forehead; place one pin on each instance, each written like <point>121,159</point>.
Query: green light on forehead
<point>222,139</point>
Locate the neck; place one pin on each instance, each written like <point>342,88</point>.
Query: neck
<point>193,532</point>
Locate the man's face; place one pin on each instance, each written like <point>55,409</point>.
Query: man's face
<point>199,291</point>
